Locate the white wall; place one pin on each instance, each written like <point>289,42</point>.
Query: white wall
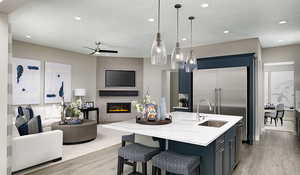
<point>156,80</point>
<point>3,91</point>
<point>227,48</point>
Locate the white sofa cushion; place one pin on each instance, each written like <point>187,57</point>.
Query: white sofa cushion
<point>49,113</point>
<point>31,150</point>
<point>15,132</point>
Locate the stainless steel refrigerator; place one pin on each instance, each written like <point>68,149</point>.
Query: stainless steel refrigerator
<point>225,89</point>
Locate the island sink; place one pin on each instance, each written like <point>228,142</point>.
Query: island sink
<point>213,123</point>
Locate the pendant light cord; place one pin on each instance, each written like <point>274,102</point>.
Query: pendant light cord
<point>177,29</point>
<point>191,33</point>
<point>158,20</point>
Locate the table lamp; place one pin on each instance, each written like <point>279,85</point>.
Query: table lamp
<point>80,93</point>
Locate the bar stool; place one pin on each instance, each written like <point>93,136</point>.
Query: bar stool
<point>175,163</point>
<point>133,153</point>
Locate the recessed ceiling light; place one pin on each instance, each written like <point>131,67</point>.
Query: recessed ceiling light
<point>280,41</point>
<point>226,31</point>
<point>151,19</point>
<point>77,18</point>
<point>27,36</point>
<point>204,5</point>
<point>183,39</point>
<point>282,22</point>
<point>1,1</point>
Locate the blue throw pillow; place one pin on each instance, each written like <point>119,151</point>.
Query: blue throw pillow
<point>28,112</point>
<point>26,127</point>
<point>21,124</point>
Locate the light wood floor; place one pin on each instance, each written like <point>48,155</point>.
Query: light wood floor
<point>278,153</point>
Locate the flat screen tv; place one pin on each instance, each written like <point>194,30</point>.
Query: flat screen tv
<point>119,78</point>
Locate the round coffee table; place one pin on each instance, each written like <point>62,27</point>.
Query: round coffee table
<point>80,133</point>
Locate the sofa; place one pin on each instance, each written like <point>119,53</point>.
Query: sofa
<point>39,148</point>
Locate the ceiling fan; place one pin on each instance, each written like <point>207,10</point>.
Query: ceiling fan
<point>98,50</point>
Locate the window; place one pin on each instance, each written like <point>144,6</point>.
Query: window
<point>266,87</point>
<point>282,88</point>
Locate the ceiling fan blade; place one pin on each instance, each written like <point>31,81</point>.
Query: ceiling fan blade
<point>108,51</point>
<point>89,48</point>
<point>92,53</point>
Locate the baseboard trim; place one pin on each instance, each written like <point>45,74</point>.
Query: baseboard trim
<point>50,161</point>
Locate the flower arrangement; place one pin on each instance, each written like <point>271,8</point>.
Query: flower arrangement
<point>146,109</point>
<point>73,110</point>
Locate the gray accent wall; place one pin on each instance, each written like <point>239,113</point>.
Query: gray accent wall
<point>118,63</point>
<point>4,125</point>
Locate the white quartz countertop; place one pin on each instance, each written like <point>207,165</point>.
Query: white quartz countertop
<point>184,128</point>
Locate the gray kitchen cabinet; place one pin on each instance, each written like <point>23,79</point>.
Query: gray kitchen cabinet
<point>220,165</point>
<point>218,158</point>
<point>298,122</point>
<point>230,151</point>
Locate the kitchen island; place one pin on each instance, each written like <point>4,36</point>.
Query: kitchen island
<point>217,146</point>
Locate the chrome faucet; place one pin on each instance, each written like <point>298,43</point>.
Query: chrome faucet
<point>198,108</point>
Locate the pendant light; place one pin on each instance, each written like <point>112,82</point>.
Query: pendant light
<point>177,55</point>
<point>158,50</point>
<point>190,64</point>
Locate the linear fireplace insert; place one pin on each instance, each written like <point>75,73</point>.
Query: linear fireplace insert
<point>118,108</point>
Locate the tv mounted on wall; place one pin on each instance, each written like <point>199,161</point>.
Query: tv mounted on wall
<point>119,78</point>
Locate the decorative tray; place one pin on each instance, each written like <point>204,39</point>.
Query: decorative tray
<point>153,122</point>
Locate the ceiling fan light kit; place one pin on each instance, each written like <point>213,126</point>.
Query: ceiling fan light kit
<point>158,50</point>
<point>97,51</point>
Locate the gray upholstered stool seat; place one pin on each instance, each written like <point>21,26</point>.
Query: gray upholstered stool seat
<point>137,152</point>
<point>133,153</point>
<point>176,163</point>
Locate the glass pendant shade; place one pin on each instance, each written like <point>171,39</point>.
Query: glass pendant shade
<point>177,54</point>
<point>177,57</point>
<point>191,62</point>
<point>158,51</point>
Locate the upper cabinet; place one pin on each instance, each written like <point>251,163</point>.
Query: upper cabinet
<point>185,82</point>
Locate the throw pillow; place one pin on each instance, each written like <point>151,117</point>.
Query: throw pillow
<point>28,112</point>
<point>21,124</point>
<point>35,125</point>
<point>26,127</point>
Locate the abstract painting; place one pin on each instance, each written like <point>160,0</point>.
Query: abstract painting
<point>26,78</point>
<point>57,82</point>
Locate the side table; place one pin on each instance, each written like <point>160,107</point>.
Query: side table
<point>86,113</point>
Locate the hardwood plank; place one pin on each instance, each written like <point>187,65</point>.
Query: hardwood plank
<point>278,153</point>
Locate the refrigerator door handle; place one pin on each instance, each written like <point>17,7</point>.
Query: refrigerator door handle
<point>220,99</point>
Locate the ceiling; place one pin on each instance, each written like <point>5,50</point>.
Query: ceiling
<point>124,25</point>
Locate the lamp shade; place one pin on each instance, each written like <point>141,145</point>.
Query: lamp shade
<point>79,92</point>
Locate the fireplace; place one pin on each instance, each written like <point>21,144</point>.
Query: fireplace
<point>118,108</point>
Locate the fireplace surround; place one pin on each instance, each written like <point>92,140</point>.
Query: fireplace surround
<point>118,108</point>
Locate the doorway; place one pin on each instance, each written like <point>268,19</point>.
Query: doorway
<point>279,97</point>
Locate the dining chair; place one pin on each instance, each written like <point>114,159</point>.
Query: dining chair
<point>278,115</point>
